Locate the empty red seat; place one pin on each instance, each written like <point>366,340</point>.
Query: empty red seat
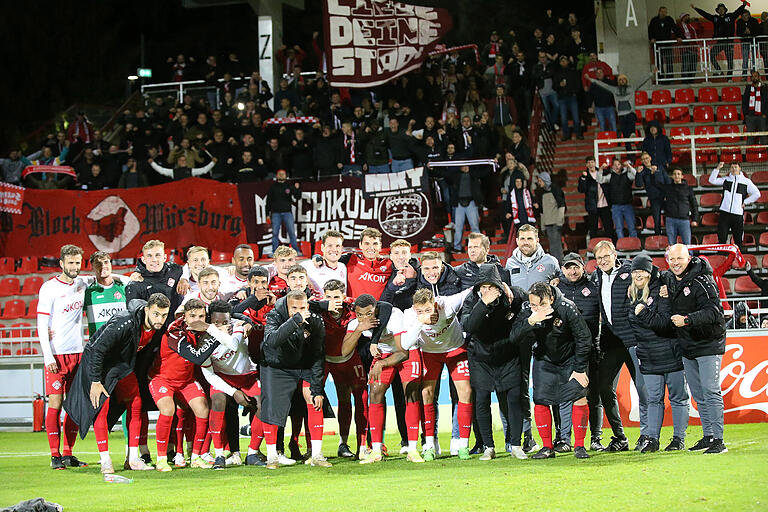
<point>21,330</point>
<point>14,309</point>
<point>745,286</point>
<point>685,95</point>
<point>32,285</point>
<point>729,128</point>
<point>660,263</point>
<point>704,180</point>
<point>661,97</point>
<point>655,114</point>
<point>764,261</point>
<point>759,177</point>
<point>641,98</point>
<point>703,114</point>
<point>748,258</point>
<point>679,115</point>
<point>762,218</point>
<point>749,240</point>
<point>594,241</point>
<point>221,258</point>
<point>763,197</point>
<point>656,243</point>
<point>677,131</point>
<point>764,238</point>
<point>29,265</point>
<point>710,219</point>
<point>727,113</point>
<point>704,130</point>
<point>651,224</point>
<point>757,155</point>
<point>731,93</point>
<point>32,310</point>
<point>7,266</point>
<point>710,200</point>
<point>730,155</point>
<point>709,239</point>
<point>9,286</point>
<point>716,260</point>
<point>607,135</point>
<point>628,243</point>
<point>690,179</point>
<point>708,95</point>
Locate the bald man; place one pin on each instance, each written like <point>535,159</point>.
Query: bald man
<point>697,317</point>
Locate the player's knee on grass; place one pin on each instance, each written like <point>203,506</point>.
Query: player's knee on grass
<point>219,402</point>
<point>55,400</point>
<point>199,407</point>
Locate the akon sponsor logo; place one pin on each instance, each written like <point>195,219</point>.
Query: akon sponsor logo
<point>373,278</point>
<point>78,304</point>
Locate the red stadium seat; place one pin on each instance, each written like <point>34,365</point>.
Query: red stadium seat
<point>661,97</point>
<point>710,219</point>
<point>7,266</point>
<point>690,179</point>
<point>677,131</point>
<point>685,95</point>
<point>591,266</point>
<point>764,261</point>
<point>727,113</point>
<point>679,115</point>
<point>703,114</point>
<point>716,260</point>
<point>628,244</point>
<point>660,263</point>
<point>748,258</point>
<point>221,258</point>
<point>594,241</point>
<point>762,218</point>
<point>655,114</point>
<point>607,135</point>
<point>757,155</point>
<point>656,243</point>
<point>21,330</point>
<point>709,239</point>
<point>708,95</point>
<point>14,309</point>
<point>32,285</point>
<point>29,265</point>
<point>704,130</point>
<point>763,197</point>
<point>9,286</point>
<point>745,286</point>
<point>32,310</point>
<point>764,238</point>
<point>651,224</point>
<point>704,180</point>
<point>730,155</point>
<point>731,94</point>
<point>710,200</point>
<point>727,286</point>
<point>732,129</point>
<point>749,240</point>
<point>641,98</point>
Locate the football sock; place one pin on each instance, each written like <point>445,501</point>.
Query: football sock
<point>543,417</point>
<point>257,434</point>
<point>134,420</point>
<point>101,430</point>
<point>464,416</point>
<point>201,430</point>
<point>270,436</point>
<point>376,446</point>
<point>412,445</point>
<point>315,423</point>
<point>412,417</point>
<point>143,445</point>
<point>206,448</point>
<point>70,435</point>
<point>580,418</point>
<point>317,448</point>
<point>133,452</point>
<point>104,457</point>
<point>52,428</point>
<point>162,433</point>
<point>429,421</point>
<point>376,413</point>
<point>216,422</point>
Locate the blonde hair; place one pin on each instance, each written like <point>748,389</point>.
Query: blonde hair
<point>151,244</point>
<point>603,244</point>
<point>430,255</point>
<point>196,248</point>
<point>637,294</point>
<point>400,243</point>
<point>484,240</point>
<point>423,296</point>
<point>284,252</point>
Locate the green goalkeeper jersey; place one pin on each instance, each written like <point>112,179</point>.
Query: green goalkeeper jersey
<point>102,303</point>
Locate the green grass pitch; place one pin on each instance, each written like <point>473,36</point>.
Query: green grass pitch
<point>674,481</point>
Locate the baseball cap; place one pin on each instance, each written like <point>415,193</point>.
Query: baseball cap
<point>573,257</point>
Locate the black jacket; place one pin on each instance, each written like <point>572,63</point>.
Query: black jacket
<point>652,182</point>
<point>745,110</point>
<point>588,186</point>
<point>657,350</point>
<point>759,281</point>
<point>285,344</point>
<point>586,295</point>
<point>557,340</point>
<point>280,197</point>
<point>572,82</point>
<point>619,303</point>
<point>658,147</point>
<point>618,190</point>
<point>163,282</point>
<point>468,271</point>
<point>748,29</point>
<point>476,174</point>
<point>696,296</point>
<point>109,356</point>
<point>487,327</point>
<point>662,29</point>
<point>723,24</point>
<point>680,202</point>
<point>449,283</point>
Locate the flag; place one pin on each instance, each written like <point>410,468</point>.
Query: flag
<point>369,42</point>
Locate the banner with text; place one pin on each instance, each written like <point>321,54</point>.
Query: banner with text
<point>369,42</point>
<point>11,198</point>
<point>743,380</point>
<point>119,221</point>
<point>397,204</point>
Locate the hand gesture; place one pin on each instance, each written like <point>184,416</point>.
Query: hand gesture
<point>399,279</point>
<point>317,402</point>
<point>374,349</point>
<point>183,287</point>
<point>678,320</point>
<point>375,374</point>
<point>53,367</point>
<point>198,326</point>
<point>135,276</point>
<point>489,295</point>
<point>581,378</point>
<point>367,323</point>
<point>664,291</point>
<point>335,305</point>
<point>540,315</point>
<point>97,388</point>
<point>305,314</point>
<point>639,308</point>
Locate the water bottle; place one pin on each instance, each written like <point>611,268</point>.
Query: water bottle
<point>117,479</point>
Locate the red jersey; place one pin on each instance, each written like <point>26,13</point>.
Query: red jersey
<point>335,330</point>
<point>169,364</point>
<point>279,286</point>
<point>146,337</point>
<point>256,336</point>
<point>366,276</point>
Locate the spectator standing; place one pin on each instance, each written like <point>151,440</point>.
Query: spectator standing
<point>280,206</point>
<point>625,105</point>
<point>619,187</point>
<point>663,28</point>
<point>518,203</point>
<point>13,166</point>
<point>590,70</point>
<point>131,176</point>
<point>520,149</point>
<point>400,143</point>
<point>351,151</point>
<point>542,80</point>
<point>181,170</point>
<point>689,53</point>
<point>519,73</point>
<point>566,83</point>
<point>595,200</point>
<point>754,107</point>
<point>680,208</point>
<point>657,145</point>
<point>652,178</point>
<point>493,49</point>
<point>375,142</point>
<point>738,191</point>
<point>552,213</point>
<point>723,22</point>
<point>467,197</point>
<point>747,28</point>
<point>503,116</point>
<point>605,107</point>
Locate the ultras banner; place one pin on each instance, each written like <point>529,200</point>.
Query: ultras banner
<point>369,42</point>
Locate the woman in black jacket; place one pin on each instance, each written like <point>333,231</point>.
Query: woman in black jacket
<point>660,360</point>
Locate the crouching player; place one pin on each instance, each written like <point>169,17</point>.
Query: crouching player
<point>560,341</point>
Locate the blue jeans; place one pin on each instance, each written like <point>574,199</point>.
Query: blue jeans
<point>284,219</point>
<point>606,117</point>
<point>550,106</point>
<point>678,399</point>
<point>471,215</point>
<point>378,169</point>
<point>352,170</point>
<point>569,103</point>
<point>703,376</point>
<point>642,393</point>
<point>678,227</point>
<point>623,213</point>
<point>402,165</point>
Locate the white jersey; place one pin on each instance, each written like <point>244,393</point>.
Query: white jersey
<point>226,361</point>
<point>193,286</point>
<point>443,336</point>
<point>231,284</point>
<point>319,276</point>
<point>60,316</point>
<point>387,340</point>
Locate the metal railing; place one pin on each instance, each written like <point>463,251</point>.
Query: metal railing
<point>541,138</point>
<point>703,58</point>
<point>756,309</point>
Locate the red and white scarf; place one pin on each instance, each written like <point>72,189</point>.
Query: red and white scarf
<point>528,203</point>
<point>755,105</point>
<point>349,143</point>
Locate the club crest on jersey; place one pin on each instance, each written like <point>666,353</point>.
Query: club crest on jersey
<point>624,275</point>
<point>649,301</point>
<point>540,268</point>
<point>163,389</point>
<point>557,322</point>
<point>686,291</point>
<point>585,292</point>
<point>118,295</point>
<point>56,384</point>
<point>171,281</point>
<point>383,268</point>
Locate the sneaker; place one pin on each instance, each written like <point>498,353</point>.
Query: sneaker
<point>147,458</point>
<point>702,444</point>
<point>596,445</point>
<point>162,465</point>
<point>544,453</point>
<point>488,454</point>
<point>429,454</point>
<point>455,446</point>
<point>295,450</point>
<point>385,452</point>
<point>199,462</point>
<point>517,452</point>
<point>476,450</point>
<point>207,457</point>
<point>529,445</point>
<point>403,450</point>
<point>272,463</point>
<point>651,445</point>
<point>234,459</point>
<point>285,461</point>
<point>245,430</point>
<point>345,452</point>
<point>179,461</point>
<point>220,462</point>
<point>562,446</point>
<point>319,461</point>
<point>413,456</point>
<point>72,462</point>
<point>371,457</point>
<point>580,452</point>
<point>254,460</point>
<point>717,446</point>
<point>464,453</point>
<point>107,468</point>
<point>641,442</point>
<point>675,444</point>
<point>139,465</point>
<point>618,444</point>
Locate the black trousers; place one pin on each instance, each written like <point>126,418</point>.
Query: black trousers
<point>232,424</point>
<point>512,412</point>
<point>615,355</point>
<point>657,204</point>
<point>593,401</point>
<point>603,214</point>
<point>733,223</point>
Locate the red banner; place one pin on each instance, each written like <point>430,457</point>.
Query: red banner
<point>119,221</point>
<point>369,42</point>
<point>743,380</point>
<point>11,198</point>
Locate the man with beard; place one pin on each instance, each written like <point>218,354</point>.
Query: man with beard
<point>478,246</point>
<point>242,259</point>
